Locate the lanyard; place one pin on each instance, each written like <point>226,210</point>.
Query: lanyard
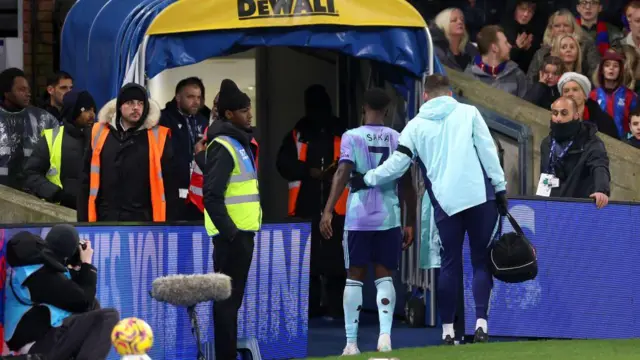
<point>192,129</point>
<point>555,159</point>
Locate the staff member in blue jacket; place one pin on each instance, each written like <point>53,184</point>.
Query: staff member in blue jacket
<point>466,186</point>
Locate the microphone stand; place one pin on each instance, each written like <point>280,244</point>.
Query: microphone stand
<point>195,329</point>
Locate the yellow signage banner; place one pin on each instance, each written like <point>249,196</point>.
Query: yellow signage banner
<point>210,15</point>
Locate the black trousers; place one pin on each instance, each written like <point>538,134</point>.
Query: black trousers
<point>328,274</point>
<point>85,336</point>
<point>232,258</point>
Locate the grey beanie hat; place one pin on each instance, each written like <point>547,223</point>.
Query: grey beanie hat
<point>580,79</point>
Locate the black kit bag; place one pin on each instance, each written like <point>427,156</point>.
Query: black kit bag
<point>513,256</point>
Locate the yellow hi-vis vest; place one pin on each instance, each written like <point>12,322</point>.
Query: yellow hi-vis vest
<point>54,141</point>
<point>241,197</point>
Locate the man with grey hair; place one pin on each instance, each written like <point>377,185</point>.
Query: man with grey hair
<point>466,189</point>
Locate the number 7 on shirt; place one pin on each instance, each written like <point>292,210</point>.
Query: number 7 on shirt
<point>383,150</point>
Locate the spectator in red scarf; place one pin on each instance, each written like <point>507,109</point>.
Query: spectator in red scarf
<point>611,94</point>
<point>493,66</point>
<point>603,33</point>
<point>577,87</point>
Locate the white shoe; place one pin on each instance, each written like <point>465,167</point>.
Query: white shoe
<point>384,343</point>
<point>351,349</point>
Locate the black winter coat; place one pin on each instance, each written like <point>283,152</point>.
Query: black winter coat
<point>182,143</point>
<point>512,29</point>
<point>217,171</point>
<point>584,170</point>
<point>73,145</point>
<point>125,190</point>
<point>603,121</point>
<point>542,95</point>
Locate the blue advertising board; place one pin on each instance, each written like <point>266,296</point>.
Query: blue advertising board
<point>275,306</point>
<point>587,284</point>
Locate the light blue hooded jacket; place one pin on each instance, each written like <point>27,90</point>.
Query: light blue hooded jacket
<point>459,161</point>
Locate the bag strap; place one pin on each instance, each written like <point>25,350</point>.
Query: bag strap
<point>514,224</point>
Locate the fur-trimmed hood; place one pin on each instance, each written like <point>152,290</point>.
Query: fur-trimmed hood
<point>107,114</point>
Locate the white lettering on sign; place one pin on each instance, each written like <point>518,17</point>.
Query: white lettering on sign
<point>275,275</point>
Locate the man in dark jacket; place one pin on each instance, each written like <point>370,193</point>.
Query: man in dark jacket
<point>308,159</point>
<point>58,85</point>
<point>54,169</point>
<point>20,126</point>
<point>50,310</point>
<point>128,143</point>
<point>232,207</point>
<point>187,125</point>
<point>573,160</point>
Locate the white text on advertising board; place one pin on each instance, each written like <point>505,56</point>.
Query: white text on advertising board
<point>258,9</point>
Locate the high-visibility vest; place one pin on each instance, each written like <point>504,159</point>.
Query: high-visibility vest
<point>157,139</point>
<point>54,142</point>
<point>241,196</point>
<point>197,181</point>
<point>294,186</point>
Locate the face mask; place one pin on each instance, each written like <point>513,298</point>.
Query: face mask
<point>565,131</point>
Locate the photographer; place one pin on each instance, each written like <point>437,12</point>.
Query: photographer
<point>48,309</point>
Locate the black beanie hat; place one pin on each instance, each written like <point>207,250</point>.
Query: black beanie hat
<point>75,102</point>
<point>63,240</point>
<point>131,93</point>
<point>231,98</point>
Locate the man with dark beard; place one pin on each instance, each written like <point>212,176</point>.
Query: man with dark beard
<point>20,126</point>
<point>573,159</point>
<point>54,170</point>
<point>181,115</point>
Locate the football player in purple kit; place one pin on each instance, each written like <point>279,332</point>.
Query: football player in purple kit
<point>372,225</point>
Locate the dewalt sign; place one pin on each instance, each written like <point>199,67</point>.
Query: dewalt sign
<point>264,14</point>
<point>261,9</point>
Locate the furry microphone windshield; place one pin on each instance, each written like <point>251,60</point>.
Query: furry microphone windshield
<point>190,290</point>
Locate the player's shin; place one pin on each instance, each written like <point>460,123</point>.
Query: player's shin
<point>352,302</point>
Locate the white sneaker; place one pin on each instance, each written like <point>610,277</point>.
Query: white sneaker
<point>384,343</point>
<point>351,349</point>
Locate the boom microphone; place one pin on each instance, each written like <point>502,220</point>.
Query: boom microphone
<point>190,290</point>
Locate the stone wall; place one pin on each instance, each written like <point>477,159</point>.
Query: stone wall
<point>20,208</point>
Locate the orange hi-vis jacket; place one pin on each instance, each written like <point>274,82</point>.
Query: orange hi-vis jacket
<point>157,139</point>
<point>294,186</point>
<point>195,195</point>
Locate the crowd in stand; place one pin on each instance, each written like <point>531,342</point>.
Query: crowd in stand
<point>539,51</point>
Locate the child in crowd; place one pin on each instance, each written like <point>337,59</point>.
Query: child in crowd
<point>545,91</point>
<point>611,94</point>
<point>634,126</point>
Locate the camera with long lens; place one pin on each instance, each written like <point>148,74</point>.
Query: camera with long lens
<point>75,259</point>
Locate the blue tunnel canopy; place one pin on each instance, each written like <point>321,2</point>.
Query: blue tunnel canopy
<point>391,33</point>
